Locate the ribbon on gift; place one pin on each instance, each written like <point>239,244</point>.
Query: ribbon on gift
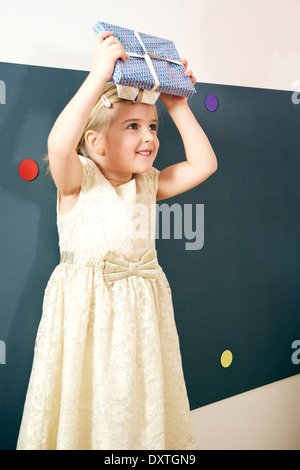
<point>117,267</point>
<point>145,96</point>
<point>136,95</point>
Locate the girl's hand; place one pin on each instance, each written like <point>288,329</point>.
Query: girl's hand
<point>107,50</point>
<point>171,100</point>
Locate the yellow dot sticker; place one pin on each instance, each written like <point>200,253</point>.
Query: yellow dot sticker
<point>226,358</point>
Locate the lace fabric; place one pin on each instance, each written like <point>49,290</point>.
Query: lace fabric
<point>107,370</point>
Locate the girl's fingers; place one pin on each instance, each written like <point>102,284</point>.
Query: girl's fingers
<point>188,72</point>
<point>102,36</point>
<point>109,40</point>
<point>112,42</point>
<point>185,62</point>
<point>125,56</point>
<point>192,77</point>
<point>119,49</point>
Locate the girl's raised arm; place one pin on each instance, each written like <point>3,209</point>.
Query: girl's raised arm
<point>200,161</point>
<point>65,165</point>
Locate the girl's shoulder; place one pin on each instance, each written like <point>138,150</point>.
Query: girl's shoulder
<point>91,175</point>
<point>153,177</point>
<point>90,171</point>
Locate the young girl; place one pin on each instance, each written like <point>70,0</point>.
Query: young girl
<point>107,371</point>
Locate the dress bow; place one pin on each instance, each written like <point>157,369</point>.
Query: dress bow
<point>117,267</point>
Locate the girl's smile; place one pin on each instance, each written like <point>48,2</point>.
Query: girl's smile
<point>146,152</point>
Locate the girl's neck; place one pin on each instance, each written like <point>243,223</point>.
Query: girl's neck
<point>117,182</point>
<point>113,181</point>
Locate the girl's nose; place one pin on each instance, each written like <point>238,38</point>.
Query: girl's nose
<point>147,136</point>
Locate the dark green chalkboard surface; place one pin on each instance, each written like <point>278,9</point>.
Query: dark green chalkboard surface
<point>239,291</point>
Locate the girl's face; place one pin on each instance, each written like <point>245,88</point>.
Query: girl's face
<point>131,143</point>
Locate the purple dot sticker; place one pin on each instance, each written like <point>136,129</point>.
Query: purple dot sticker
<point>211,102</point>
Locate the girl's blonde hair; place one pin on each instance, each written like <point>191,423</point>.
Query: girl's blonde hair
<point>100,117</point>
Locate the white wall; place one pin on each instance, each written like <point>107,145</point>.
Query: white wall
<point>234,42</point>
<point>266,418</point>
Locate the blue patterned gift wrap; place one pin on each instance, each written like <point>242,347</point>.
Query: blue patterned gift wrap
<point>135,71</point>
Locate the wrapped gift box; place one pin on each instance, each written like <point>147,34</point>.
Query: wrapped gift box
<point>153,66</point>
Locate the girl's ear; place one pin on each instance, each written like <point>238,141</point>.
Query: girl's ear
<point>95,142</point>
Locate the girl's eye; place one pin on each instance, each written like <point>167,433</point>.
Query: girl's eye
<point>152,127</point>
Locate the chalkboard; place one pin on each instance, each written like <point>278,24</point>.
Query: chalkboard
<point>236,289</point>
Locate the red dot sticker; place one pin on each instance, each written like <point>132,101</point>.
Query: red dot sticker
<point>28,169</point>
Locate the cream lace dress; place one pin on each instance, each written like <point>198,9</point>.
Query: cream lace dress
<point>107,371</point>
